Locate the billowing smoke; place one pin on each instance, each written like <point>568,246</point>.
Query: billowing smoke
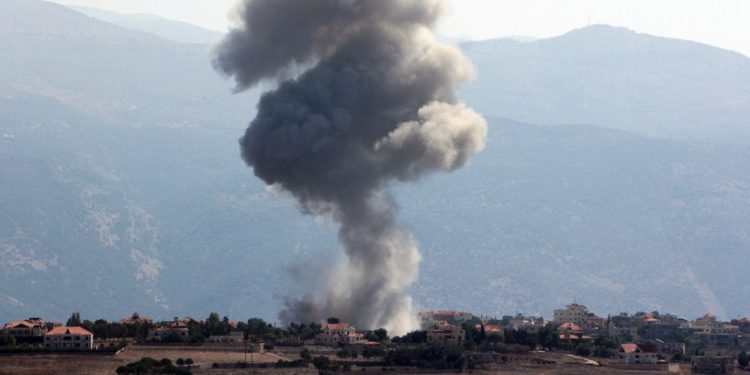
<point>373,101</point>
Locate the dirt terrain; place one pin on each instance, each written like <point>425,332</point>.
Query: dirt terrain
<point>535,363</point>
<point>100,365</point>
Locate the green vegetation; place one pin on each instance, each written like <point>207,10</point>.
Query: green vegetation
<point>743,359</point>
<point>147,366</point>
<point>378,335</point>
<point>415,337</point>
<point>428,356</point>
<point>74,320</point>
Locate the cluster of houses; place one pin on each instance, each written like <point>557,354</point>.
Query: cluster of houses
<point>56,337</point>
<point>645,337</point>
<point>650,336</point>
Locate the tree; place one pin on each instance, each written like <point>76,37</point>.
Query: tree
<point>306,355</point>
<point>333,320</point>
<point>583,350</point>
<point>180,362</point>
<point>74,320</point>
<point>743,359</point>
<point>189,362</point>
<point>414,337</point>
<point>321,363</point>
<point>378,335</point>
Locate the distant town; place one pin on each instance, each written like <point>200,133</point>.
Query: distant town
<point>650,342</point>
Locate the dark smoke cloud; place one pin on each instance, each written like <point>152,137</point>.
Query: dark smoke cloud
<point>376,103</point>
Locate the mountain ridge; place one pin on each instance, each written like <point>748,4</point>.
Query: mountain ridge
<point>125,191</point>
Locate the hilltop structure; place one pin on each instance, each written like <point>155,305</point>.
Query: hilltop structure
<point>69,339</point>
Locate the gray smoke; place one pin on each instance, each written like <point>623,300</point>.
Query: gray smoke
<point>373,101</point>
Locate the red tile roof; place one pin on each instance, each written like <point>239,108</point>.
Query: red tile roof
<point>18,323</point>
<point>490,328</point>
<point>570,327</point>
<point>69,331</point>
<point>338,326</point>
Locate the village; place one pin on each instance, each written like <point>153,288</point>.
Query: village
<point>575,340</point>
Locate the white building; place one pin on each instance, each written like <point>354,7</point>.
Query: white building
<point>573,313</point>
<point>632,354</point>
<point>68,339</point>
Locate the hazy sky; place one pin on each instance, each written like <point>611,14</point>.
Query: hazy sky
<point>723,23</point>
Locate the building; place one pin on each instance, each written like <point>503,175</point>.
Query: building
<point>446,334</point>
<point>490,328</point>
<point>429,319</point>
<point>572,332</point>
<point>742,324</point>
<point>169,334</point>
<point>573,313</point>
<point>634,354</point>
<point>232,338</point>
<point>653,327</point>
<point>713,365</point>
<point>670,347</point>
<point>135,319</point>
<point>527,323</point>
<point>28,327</point>
<point>339,334</point>
<point>68,339</point>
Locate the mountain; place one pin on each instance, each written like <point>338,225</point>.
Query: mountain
<point>615,77</point>
<point>123,190</point>
<point>169,29</point>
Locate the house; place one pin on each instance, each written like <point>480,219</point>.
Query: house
<point>29,327</point>
<point>233,337</point>
<point>712,365</point>
<point>634,354</point>
<point>68,339</point>
<point>169,334</point>
<point>430,318</point>
<point>742,324</point>
<point>670,347</point>
<point>572,332</point>
<point>653,327</point>
<point>490,328</point>
<point>527,323</point>
<point>337,334</point>
<point>446,334</point>
<point>135,319</point>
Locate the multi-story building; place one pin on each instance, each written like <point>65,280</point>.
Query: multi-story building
<point>68,339</point>
<point>28,327</point>
<point>573,313</point>
<point>634,354</point>
<point>430,318</point>
<point>135,318</point>
<point>169,334</point>
<point>446,334</point>
<point>571,332</point>
<point>339,334</point>
<point>527,323</point>
<point>712,365</point>
<point>653,327</point>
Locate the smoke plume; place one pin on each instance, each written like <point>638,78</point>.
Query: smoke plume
<point>373,100</point>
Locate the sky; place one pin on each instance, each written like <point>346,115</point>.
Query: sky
<point>722,23</point>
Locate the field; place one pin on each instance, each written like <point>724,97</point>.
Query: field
<point>535,363</point>
<point>99,365</point>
